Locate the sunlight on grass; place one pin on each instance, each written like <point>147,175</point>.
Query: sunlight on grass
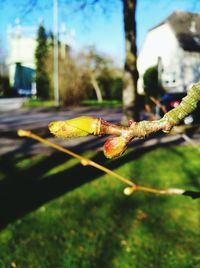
<point>103,104</point>
<point>31,103</point>
<point>25,163</point>
<point>95,225</point>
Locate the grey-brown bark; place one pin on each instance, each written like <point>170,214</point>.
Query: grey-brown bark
<point>121,135</point>
<point>96,88</point>
<point>130,67</point>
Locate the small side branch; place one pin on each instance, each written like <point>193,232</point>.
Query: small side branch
<point>131,186</point>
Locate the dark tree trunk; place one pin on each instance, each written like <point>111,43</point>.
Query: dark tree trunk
<point>129,96</point>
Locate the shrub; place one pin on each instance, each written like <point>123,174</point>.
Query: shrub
<point>73,83</point>
<point>151,83</point>
<point>111,87</point>
<point>5,86</point>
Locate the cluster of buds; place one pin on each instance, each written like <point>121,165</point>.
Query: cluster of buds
<point>121,136</point>
<point>85,125</point>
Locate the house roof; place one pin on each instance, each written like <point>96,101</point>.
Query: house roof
<point>186,27</point>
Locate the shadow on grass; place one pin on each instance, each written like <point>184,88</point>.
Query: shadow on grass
<point>114,240</point>
<point>25,190</point>
<point>116,237</point>
<point>192,174</point>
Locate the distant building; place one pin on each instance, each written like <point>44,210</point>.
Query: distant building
<point>21,55</point>
<point>20,60</point>
<point>175,45</point>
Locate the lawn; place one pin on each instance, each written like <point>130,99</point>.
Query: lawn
<point>103,104</point>
<point>32,103</point>
<point>59,214</point>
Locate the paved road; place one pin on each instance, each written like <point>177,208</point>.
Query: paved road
<point>39,118</point>
<point>11,104</point>
<point>34,119</point>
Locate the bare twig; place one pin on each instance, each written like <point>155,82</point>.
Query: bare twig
<point>115,146</point>
<point>164,110</point>
<point>157,103</point>
<point>87,162</point>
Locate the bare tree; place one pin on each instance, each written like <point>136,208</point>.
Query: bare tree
<point>94,66</point>
<point>129,96</point>
<point>130,69</point>
<point>130,100</point>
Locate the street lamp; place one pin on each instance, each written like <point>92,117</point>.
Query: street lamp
<point>55,52</point>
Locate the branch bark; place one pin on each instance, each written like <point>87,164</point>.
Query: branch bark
<point>115,146</point>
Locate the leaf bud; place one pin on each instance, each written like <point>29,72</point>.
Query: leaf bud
<point>129,190</point>
<point>114,147</point>
<point>76,127</point>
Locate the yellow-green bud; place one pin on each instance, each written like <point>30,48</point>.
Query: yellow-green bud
<point>76,127</point>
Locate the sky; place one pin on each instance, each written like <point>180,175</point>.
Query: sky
<point>91,26</point>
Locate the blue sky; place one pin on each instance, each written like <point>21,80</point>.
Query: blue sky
<point>91,27</point>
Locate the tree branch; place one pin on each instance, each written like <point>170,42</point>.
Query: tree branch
<point>115,146</point>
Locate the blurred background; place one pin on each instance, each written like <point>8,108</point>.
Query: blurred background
<point>118,60</point>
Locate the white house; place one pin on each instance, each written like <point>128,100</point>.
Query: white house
<point>175,44</point>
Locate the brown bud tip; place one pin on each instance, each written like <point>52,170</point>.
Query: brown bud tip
<point>114,147</point>
<point>131,122</point>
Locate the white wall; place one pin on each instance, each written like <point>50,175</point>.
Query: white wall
<point>191,68</point>
<point>22,49</point>
<point>160,42</point>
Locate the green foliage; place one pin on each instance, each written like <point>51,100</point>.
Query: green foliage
<point>30,103</point>
<point>111,87</point>
<point>41,54</point>
<point>151,83</point>
<point>104,104</point>
<point>95,225</point>
<point>77,73</point>
<point>101,69</point>
<point>42,84</point>
<point>4,86</point>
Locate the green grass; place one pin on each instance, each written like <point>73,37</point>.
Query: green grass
<point>104,104</point>
<point>95,225</point>
<point>32,103</point>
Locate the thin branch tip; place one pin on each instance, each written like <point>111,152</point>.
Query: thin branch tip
<point>23,133</point>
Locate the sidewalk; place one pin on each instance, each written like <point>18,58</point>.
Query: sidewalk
<point>37,118</point>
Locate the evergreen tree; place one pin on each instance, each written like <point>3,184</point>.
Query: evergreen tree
<point>41,54</point>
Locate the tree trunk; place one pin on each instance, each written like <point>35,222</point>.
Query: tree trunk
<point>97,89</point>
<point>129,94</point>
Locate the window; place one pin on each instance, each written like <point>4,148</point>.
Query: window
<point>169,79</point>
<point>197,40</point>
